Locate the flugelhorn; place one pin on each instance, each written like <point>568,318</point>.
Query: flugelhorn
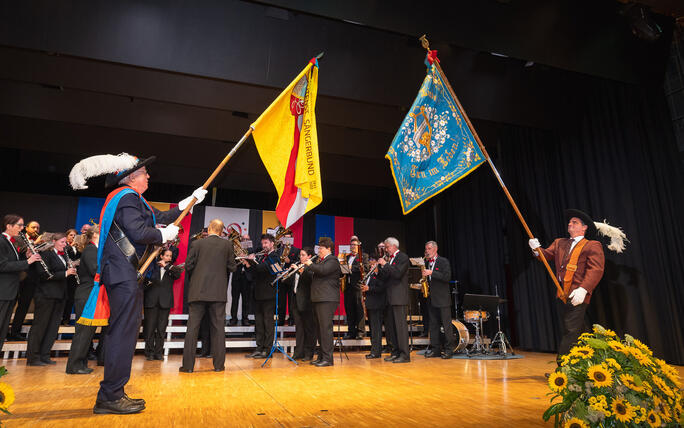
<point>294,267</point>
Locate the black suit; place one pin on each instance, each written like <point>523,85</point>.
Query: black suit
<point>264,301</point>
<point>395,275</point>
<point>376,300</point>
<point>209,261</point>
<point>305,332</point>
<point>158,302</point>
<point>325,296</point>
<point>11,265</point>
<point>49,306</point>
<point>356,319</point>
<point>80,344</point>
<point>286,297</point>
<point>73,254</point>
<point>440,305</point>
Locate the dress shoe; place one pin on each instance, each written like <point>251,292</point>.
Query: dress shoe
<point>386,350</point>
<point>158,357</point>
<point>48,361</point>
<point>324,364</point>
<point>431,354</point>
<point>401,360</point>
<point>372,356</point>
<point>35,363</point>
<point>149,357</point>
<point>391,357</point>
<point>122,406</point>
<point>80,371</point>
<point>314,362</point>
<point>232,322</point>
<point>307,358</point>
<point>220,369</point>
<point>447,355</point>
<point>184,370</point>
<point>260,356</point>
<point>134,400</point>
<point>253,354</point>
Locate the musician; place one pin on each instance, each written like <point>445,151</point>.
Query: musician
<point>80,344</point>
<point>73,254</point>
<point>305,332</point>
<point>240,287</point>
<point>158,302</point>
<point>209,261</point>
<point>49,303</point>
<point>12,263</point>
<point>356,319</point>
<point>27,288</point>
<point>264,295</point>
<point>84,228</point>
<point>286,299</point>
<point>376,301</point>
<point>130,219</point>
<point>394,271</point>
<point>578,285</point>
<point>325,295</point>
<point>438,274</point>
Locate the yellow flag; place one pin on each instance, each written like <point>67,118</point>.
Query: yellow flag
<point>287,141</point>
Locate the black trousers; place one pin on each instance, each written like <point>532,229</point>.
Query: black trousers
<point>6,307</point>
<point>375,317</point>
<point>26,291</point>
<point>205,334</point>
<point>324,313</point>
<point>69,303</point>
<point>572,324</point>
<point>217,315</point>
<point>390,335</point>
<point>125,306</point>
<point>239,289</point>
<point>46,319</point>
<point>264,310</point>
<point>400,331</point>
<point>285,300</point>
<point>305,333</point>
<point>155,321</point>
<point>80,344</point>
<point>356,320</point>
<point>441,317</point>
<point>425,312</point>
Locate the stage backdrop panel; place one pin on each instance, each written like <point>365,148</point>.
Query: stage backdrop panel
<point>88,211</point>
<point>54,213</point>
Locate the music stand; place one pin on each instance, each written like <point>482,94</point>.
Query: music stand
<point>275,270</point>
<point>480,302</point>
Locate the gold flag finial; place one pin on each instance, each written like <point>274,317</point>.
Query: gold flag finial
<point>424,42</point>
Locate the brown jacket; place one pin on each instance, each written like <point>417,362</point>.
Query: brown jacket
<point>589,265</point>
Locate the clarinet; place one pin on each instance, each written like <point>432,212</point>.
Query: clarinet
<point>70,263</point>
<point>30,246</point>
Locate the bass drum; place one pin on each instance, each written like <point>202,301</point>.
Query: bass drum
<point>461,335</point>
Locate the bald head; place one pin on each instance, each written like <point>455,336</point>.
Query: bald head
<point>215,227</point>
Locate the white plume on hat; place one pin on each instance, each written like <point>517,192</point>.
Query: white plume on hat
<point>99,165</point>
<point>616,235</point>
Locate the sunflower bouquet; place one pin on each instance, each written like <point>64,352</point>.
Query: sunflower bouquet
<point>6,393</point>
<point>608,382</point>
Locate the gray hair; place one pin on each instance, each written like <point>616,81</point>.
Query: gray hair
<point>127,179</point>
<point>392,241</point>
<point>432,244</point>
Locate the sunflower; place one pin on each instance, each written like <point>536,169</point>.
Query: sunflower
<point>613,363</point>
<point>565,359</point>
<point>622,410</point>
<point>582,352</point>
<point>558,381</point>
<point>639,344</point>
<point>628,381</point>
<point>600,376</point>
<point>618,347</point>
<point>653,419</point>
<point>6,395</point>
<point>575,423</point>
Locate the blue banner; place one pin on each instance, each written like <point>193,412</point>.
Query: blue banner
<point>88,211</point>
<point>434,147</point>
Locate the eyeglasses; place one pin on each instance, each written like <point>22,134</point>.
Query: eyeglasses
<point>19,224</point>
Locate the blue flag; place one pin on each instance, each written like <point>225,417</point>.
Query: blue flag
<point>434,147</point>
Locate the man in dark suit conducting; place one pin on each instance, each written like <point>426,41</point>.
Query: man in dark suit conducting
<point>209,261</point>
<point>325,296</point>
<point>395,275</point>
<point>438,273</point>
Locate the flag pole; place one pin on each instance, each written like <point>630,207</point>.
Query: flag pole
<point>426,45</point>
<point>205,186</point>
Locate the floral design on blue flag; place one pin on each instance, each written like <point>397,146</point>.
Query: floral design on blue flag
<point>434,147</point>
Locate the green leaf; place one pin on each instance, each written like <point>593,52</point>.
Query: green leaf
<point>554,410</point>
<point>596,343</point>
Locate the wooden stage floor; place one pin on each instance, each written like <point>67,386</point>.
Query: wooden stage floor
<point>355,393</point>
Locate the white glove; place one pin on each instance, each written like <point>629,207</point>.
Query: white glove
<point>534,244</point>
<point>577,296</point>
<point>169,233</point>
<point>199,194</point>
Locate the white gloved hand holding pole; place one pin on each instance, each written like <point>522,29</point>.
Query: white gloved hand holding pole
<point>534,244</point>
<point>169,233</point>
<point>198,194</point>
<point>577,296</point>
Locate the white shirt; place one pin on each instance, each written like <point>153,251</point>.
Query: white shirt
<point>163,271</point>
<point>296,282</point>
<point>576,239</point>
<point>350,261</point>
<point>393,256</point>
<point>61,259</point>
<point>9,239</point>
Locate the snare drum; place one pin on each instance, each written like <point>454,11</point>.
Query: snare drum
<point>461,335</point>
<point>475,316</point>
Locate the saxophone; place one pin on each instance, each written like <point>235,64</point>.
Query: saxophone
<point>424,284</point>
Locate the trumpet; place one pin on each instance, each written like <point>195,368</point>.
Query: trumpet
<point>246,256</point>
<point>32,248</point>
<point>294,267</point>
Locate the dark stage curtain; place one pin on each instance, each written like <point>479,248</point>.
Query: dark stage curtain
<point>618,162</point>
